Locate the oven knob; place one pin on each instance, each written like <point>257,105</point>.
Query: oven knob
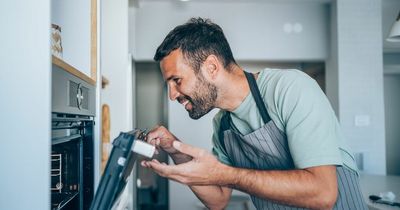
<point>79,96</point>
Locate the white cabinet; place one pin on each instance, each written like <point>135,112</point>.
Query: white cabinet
<point>77,20</point>
<point>25,104</point>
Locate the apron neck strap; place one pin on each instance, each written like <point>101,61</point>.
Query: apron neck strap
<point>257,97</point>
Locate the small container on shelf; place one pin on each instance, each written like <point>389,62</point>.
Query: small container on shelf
<point>56,46</point>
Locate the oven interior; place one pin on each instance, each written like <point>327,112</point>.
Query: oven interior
<point>71,162</point>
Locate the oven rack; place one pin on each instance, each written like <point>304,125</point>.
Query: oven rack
<point>56,171</point>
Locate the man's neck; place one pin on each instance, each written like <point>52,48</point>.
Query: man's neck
<point>233,89</point>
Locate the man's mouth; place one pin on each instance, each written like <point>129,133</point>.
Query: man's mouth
<point>185,103</point>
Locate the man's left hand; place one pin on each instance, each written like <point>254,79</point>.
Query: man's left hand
<point>203,169</point>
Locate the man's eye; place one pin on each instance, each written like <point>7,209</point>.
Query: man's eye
<point>177,81</point>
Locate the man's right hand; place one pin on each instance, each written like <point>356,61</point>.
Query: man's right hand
<point>163,139</point>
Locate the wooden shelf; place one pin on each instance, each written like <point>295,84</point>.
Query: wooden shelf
<point>62,64</point>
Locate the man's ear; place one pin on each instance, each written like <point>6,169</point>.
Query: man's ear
<point>211,67</point>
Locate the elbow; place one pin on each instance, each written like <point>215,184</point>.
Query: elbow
<point>220,205</point>
<point>326,200</point>
<point>217,206</point>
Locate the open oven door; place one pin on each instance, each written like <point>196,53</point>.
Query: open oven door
<point>118,168</point>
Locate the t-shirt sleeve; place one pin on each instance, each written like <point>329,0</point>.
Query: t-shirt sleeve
<point>310,122</point>
<point>217,150</point>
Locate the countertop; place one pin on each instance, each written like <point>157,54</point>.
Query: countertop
<point>375,184</point>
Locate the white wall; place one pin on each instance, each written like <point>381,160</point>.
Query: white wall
<point>258,66</point>
<point>196,133</point>
<point>253,29</point>
<point>116,67</point>
<point>115,62</point>
<point>73,16</point>
<point>355,77</point>
<point>25,86</point>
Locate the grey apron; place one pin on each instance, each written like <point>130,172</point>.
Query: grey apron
<point>267,149</point>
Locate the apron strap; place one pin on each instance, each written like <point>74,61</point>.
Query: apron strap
<point>226,118</point>
<point>257,97</point>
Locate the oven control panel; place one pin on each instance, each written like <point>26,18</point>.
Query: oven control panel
<point>71,94</point>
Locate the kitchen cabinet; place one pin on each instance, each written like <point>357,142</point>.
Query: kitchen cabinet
<point>77,21</point>
<point>25,108</point>
<point>74,51</point>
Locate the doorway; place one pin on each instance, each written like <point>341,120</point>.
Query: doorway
<point>392,122</point>
<point>151,110</point>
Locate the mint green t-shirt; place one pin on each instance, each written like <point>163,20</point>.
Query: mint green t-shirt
<point>300,109</point>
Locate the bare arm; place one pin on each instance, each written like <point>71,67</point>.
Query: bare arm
<point>214,197</point>
<point>314,188</point>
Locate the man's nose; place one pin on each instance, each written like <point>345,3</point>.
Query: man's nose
<point>173,93</point>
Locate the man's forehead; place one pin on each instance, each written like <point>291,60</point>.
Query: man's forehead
<point>173,64</point>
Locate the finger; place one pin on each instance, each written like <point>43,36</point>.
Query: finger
<point>159,162</point>
<point>152,141</point>
<point>145,164</point>
<point>187,149</point>
<point>154,133</point>
<point>163,169</point>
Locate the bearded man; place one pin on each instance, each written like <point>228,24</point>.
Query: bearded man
<point>276,136</point>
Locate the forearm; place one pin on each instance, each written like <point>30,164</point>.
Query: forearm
<point>213,197</point>
<point>301,188</point>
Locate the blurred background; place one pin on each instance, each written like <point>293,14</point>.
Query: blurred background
<point>342,44</point>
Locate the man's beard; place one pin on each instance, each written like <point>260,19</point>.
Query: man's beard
<point>203,99</point>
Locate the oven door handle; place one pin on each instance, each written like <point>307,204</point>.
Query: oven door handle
<point>65,139</point>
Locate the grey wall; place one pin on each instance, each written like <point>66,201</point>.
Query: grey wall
<point>255,29</point>
<point>151,110</point>
<point>392,122</point>
<point>25,104</point>
<point>391,10</point>
<point>391,69</point>
<point>150,98</point>
<point>355,78</point>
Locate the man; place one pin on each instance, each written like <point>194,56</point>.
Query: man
<point>275,138</point>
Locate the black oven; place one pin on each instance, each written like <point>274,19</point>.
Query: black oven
<point>72,150</point>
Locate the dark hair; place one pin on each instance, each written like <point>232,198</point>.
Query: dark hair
<point>198,38</point>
